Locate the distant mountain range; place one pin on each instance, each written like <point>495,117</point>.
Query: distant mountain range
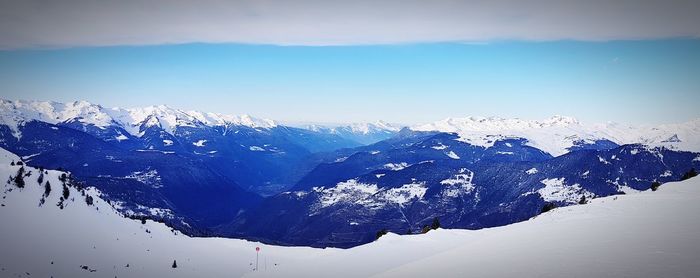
<point>244,177</point>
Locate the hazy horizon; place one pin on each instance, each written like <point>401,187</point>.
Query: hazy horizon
<point>361,61</point>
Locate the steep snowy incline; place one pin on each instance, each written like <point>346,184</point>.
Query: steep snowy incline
<point>47,241</point>
<point>647,234</point>
<point>558,134</point>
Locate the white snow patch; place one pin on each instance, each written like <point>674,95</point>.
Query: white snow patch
<point>347,191</point>
<point>396,166</point>
<point>458,184</point>
<point>440,147</point>
<point>256,149</point>
<point>405,193</point>
<point>340,159</point>
<point>199,143</point>
<point>557,190</point>
<point>452,155</point>
<point>532,171</point>
<point>668,173</point>
<point>167,142</point>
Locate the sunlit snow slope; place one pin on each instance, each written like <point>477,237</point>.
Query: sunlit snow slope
<point>647,234</point>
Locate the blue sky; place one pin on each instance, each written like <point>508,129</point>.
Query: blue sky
<point>643,81</point>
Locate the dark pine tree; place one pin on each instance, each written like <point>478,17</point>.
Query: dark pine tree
<point>47,189</point>
<point>547,207</point>
<point>174,264</point>
<point>425,229</point>
<point>436,223</point>
<point>655,185</point>
<point>382,232</point>
<point>19,178</point>
<point>582,200</point>
<point>66,192</point>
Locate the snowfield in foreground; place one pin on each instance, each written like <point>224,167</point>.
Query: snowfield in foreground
<point>646,234</point>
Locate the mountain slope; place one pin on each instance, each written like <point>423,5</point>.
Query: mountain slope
<point>647,234</point>
<point>401,189</point>
<point>559,135</point>
<point>363,133</point>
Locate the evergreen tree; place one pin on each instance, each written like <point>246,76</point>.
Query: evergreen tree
<point>174,264</point>
<point>436,224</point>
<point>655,185</point>
<point>425,229</point>
<point>382,232</point>
<point>66,192</point>
<point>409,232</point>
<point>547,207</point>
<point>88,200</point>
<point>40,180</point>
<point>47,189</point>
<point>19,178</point>
<point>582,200</point>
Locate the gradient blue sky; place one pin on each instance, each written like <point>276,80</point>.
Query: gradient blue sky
<point>646,81</point>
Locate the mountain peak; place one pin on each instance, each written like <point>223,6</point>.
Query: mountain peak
<point>15,113</point>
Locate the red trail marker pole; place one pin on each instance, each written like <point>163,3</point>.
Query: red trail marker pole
<point>257,253</point>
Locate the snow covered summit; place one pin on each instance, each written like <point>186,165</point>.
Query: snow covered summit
<point>133,120</point>
<point>559,134</point>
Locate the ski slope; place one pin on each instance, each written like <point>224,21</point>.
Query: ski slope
<point>646,234</point>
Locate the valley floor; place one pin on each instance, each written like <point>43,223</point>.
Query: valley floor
<point>647,234</point>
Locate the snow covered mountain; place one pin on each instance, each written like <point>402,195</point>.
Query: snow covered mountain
<point>133,120</point>
<point>363,133</point>
<point>204,167</point>
<point>636,235</point>
<point>402,184</point>
<point>246,178</point>
<point>559,135</point>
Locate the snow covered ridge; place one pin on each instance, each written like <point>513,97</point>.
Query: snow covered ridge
<point>558,134</point>
<point>647,234</point>
<point>358,128</point>
<point>133,120</point>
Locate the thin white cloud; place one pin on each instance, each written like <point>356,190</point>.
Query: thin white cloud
<point>34,23</point>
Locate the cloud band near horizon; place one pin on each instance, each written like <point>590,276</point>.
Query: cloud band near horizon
<point>75,23</point>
